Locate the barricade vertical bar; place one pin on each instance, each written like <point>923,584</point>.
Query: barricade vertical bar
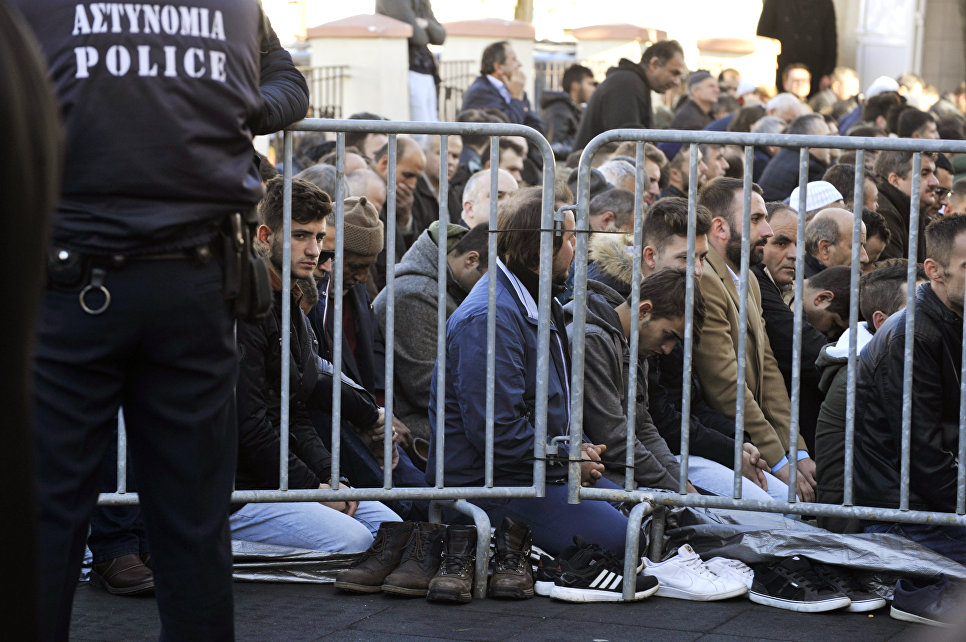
<point>390,315</point>
<point>961,470</point>
<point>742,336</point>
<point>121,453</point>
<point>491,318</point>
<point>658,521</point>
<point>910,331</point>
<point>579,325</point>
<point>688,320</point>
<point>853,338</point>
<point>632,546</point>
<point>685,448</point>
<point>335,285</point>
<point>796,397</point>
<point>441,312</point>
<point>543,330</point>
<point>635,333</point>
<point>286,311</point>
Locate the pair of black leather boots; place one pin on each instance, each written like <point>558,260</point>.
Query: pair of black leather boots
<point>422,559</point>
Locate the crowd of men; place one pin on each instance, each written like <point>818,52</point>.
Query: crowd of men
<point>125,559</point>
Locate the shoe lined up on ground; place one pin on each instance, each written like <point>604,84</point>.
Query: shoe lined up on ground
<point>587,573</point>
<point>421,559</point>
<point>732,568</point>
<point>512,577</point>
<point>686,577</point>
<point>793,584</point>
<point>934,601</point>
<point>861,600</point>
<point>125,575</point>
<point>454,580</point>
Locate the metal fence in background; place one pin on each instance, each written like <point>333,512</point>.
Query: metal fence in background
<point>326,90</point>
<point>647,500</point>
<point>548,75</point>
<point>455,76</point>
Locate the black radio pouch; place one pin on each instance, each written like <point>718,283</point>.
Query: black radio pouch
<point>247,284</point>
<point>67,270</point>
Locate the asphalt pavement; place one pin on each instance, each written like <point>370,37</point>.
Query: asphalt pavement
<point>289,611</point>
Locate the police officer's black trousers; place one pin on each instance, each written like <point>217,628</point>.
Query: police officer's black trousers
<point>164,348</point>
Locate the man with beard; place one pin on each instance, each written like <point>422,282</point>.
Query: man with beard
<point>553,521</point>
<point>624,98</point>
<point>715,357</point>
<point>895,190</point>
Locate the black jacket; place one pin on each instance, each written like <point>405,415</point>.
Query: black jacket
<point>561,117</point>
<point>781,174</point>
<point>359,364</point>
<point>259,404</point>
<point>935,409</point>
<point>690,116</point>
<point>812,267</point>
<point>156,157</point>
<point>806,29</point>
<point>780,327</point>
<point>421,60</point>
<point>894,208</point>
<point>622,100</point>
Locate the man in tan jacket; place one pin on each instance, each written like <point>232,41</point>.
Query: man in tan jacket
<point>767,408</point>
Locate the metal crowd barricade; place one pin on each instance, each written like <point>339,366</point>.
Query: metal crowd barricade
<point>440,495</point>
<point>648,500</point>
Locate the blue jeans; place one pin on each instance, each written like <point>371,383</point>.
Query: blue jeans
<point>310,525</point>
<point>945,540</point>
<point>554,522</point>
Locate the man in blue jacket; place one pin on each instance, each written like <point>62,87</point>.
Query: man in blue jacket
<point>553,521</point>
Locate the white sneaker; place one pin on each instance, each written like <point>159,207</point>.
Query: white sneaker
<point>732,568</point>
<point>686,577</point>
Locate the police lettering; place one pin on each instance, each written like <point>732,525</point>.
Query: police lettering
<point>145,60</point>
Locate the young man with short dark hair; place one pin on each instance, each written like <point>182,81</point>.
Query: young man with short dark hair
<point>895,190</point>
<point>335,526</point>
<point>937,362</point>
<point>561,110</point>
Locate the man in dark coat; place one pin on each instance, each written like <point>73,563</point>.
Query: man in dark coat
<point>561,110</point>
<point>895,190</point>
<point>624,98</point>
<point>937,362</point>
<point>423,73</point>
<point>806,29</point>
<point>695,112</point>
<point>781,174</point>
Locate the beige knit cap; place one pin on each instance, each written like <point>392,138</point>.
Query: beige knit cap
<point>363,229</point>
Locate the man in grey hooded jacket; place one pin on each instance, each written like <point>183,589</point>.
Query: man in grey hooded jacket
<point>416,287</point>
<point>608,361</point>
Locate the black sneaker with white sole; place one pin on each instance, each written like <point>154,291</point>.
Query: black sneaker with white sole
<point>594,575</point>
<point>792,584</point>
<point>548,569</point>
<point>839,579</point>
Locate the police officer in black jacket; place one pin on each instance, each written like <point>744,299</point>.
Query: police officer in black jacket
<point>160,102</point>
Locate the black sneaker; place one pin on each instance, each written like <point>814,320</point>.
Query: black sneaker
<point>839,579</point>
<point>548,569</point>
<point>793,585</point>
<point>594,575</point>
<point>929,601</point>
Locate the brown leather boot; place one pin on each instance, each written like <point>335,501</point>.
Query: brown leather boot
<point>513,574</point>
<point>124,575</point>
<point>368,574</point>
<point>419,563</point>
<point>454,581</point>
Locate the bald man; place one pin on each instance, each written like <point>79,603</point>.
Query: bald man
<point>476,196</point>
<point>828,241</point>
<point>365,182</point>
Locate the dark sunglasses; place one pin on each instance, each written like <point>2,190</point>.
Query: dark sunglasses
<point>326,255</point>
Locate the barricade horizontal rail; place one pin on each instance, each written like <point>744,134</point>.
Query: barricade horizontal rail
<point>630,494</point>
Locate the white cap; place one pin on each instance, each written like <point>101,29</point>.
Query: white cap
<point>818,195</point>
<point>745,87</point>
<point>881,85</point>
